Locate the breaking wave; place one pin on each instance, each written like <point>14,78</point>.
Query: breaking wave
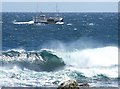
<point>39,61</point>
<point>53,66</point>
<point>91,57</point>
<point>90,61</point>
<point>93,61</point>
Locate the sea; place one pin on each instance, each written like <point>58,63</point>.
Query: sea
<point>84,49</point>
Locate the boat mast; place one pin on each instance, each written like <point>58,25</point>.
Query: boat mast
<point>57,10</point>
<point>37,7</point>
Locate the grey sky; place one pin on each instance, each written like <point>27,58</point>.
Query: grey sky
<point>62,6</point>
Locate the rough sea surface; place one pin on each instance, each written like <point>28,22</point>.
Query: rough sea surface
<point>85,49</point>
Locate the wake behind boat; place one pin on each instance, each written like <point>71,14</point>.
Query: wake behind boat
<point>29,22</point>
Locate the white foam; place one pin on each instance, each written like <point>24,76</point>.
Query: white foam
<point>90,61</point>
<point>69,24</point>
<point>93,61</point>
<point>105,56</point>
<point>61,23</point>
<point>91,24</point>
<point>75,28</point>
<point>18,50</point>
<point>90,72</point>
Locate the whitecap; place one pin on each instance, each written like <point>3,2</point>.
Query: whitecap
<point>91,24</point>
<point>69,24</point>
<point>75,28</point>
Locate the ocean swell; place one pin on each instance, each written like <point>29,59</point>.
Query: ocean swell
<point>39,61</point>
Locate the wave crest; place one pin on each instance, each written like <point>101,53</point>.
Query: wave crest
<point>39,61</point>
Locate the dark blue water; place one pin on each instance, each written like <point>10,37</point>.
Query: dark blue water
<point>84,48</point>
<point>99,27</point>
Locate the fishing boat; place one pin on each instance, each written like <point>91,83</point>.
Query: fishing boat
<point>43,19</point>
<point>48,20</point>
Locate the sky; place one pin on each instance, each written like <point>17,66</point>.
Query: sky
<point>62,6</point>
<point>60,0</point>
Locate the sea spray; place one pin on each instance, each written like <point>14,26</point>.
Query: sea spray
<point>92,61</point>
<point>94,57</point>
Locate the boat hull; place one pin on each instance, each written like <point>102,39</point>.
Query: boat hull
<point>45,20</point>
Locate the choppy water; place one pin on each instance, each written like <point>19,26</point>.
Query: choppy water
<point>85,48</point>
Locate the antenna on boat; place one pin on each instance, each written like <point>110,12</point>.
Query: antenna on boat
<point>57,9</point>
<point>37,8</point>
